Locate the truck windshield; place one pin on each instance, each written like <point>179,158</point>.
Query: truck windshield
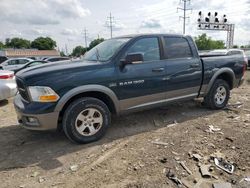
<point>105,50</point>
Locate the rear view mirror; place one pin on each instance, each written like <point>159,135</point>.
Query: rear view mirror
<point>133,58</point>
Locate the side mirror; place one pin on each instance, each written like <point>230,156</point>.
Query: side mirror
<point>133,58</point>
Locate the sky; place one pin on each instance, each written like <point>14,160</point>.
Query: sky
<point>65,20</point>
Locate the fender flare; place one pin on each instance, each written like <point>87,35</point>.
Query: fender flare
<point>217,74</point>
<point>87,88</point>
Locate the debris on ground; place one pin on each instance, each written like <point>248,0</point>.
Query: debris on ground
<point>196,157</point>
<point>173,177</point>
<point>213,129</point>
<point>35,174</point>
<point>222,185</point>
<point>247,179</point>
<point>160,143</point>
<point>41,179</point>
<point>74,168</point>
<point>185,167</point>
<point>224,165</point>
<point>204,169</point>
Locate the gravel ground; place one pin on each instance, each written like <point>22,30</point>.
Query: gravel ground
<point>139,150</point>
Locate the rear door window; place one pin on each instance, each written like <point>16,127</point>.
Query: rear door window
<point>177,47</point>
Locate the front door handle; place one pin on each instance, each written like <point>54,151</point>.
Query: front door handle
<point>195,65</point>
<point>158,69</point>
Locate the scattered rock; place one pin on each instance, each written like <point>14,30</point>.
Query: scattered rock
<point>196,157</point>
<point>177,158</point>
<point>222,185</point>
<point>74,168</point>
<point>41,179</point>
<point>35,174</point>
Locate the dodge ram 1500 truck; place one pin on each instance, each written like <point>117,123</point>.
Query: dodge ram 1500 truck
<point>120,75</point>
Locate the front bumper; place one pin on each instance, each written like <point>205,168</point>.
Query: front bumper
<point>33,121</point>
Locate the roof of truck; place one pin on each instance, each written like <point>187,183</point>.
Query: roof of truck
<point>150,34</point>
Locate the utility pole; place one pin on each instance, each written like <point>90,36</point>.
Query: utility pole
<point>85,37</point>
<point>110,22</point>
<point>184,17</point>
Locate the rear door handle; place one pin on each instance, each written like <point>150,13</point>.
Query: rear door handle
<point>195,65</point>
<point>158,70</point>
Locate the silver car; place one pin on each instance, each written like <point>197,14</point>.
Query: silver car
<point>7,84</point>
<point>15,63</point>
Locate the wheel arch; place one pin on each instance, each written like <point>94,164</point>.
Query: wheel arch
<point>226,74</point>
<point>102,93</point>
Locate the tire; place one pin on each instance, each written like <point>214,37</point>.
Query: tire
<point>218,96</point>
<point>86,120</point>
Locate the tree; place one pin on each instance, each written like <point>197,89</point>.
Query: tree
<point>78,51</point>
<point>62,54</point>
<point>17,43</point>
<point>95,42</point>
<point>1,45</point>
<point>204,42</point>
<point>235,46</point>
<point>43,43</point>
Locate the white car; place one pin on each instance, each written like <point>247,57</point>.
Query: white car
<point>15,63</point>
<point>7,84</point>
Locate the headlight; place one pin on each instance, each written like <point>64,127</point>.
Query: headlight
<point>42,94</point>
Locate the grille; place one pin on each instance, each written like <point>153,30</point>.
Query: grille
<point>22,89</point>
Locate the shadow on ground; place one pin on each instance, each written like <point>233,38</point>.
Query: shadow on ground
<point>21,148</point>
<point>3,103</point>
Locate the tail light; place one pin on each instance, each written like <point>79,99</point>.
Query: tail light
<point>6,76</point>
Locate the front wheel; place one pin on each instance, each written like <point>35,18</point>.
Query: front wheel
<point>86,120</point>
<point>218,96</point>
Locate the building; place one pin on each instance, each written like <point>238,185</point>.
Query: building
<point>31,53</point>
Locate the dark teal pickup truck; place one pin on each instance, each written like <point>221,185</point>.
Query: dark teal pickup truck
<point>120,75</point>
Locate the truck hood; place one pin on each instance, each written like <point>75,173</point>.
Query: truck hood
<point>52,69</point>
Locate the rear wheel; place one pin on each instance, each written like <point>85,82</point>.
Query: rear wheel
<point>218,96</point>
<point>86,120</point>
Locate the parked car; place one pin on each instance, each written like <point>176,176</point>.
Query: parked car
<point>118,76</point>
<point>7,84</point>
<point>54,59</point>
<point>30,64</point>
<point>247,52</point>
<point>15,63</point>
<point>223,52</point>
<point>3,58</point>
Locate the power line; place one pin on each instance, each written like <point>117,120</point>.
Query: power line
<point>184,17</point>
<point>110,22</point>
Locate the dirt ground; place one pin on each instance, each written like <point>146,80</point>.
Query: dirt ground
<point>139,150</point>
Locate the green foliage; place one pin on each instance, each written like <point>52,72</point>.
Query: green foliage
<point>235,46</point>
<point>95,42</point>
<point>1,45</point>
<point>43,43</point>
<point>17,43</point>
<point>62,54</point>
<point>78,51</point>
<point>204,42</point>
